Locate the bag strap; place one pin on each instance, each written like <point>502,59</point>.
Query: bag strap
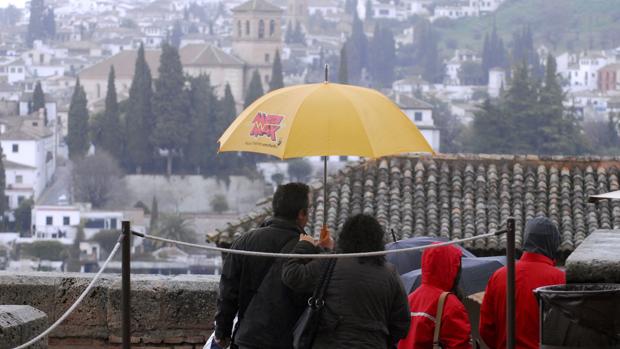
<point>440,304</point>
<point>319,291</point>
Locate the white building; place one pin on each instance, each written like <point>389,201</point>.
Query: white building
<point>30,149</point>
<point>453,66</point>
<point>497,81</point>
<point>421,114</point>
<point>13,71</point>
<point>470,8</point>
<point>581,72</point>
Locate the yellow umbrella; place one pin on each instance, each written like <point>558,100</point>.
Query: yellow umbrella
<point>323,119</point>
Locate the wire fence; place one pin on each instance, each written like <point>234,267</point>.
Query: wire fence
<point>76,304</point>
<point>315,256</point>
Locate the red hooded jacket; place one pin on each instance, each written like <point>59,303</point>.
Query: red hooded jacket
<point>533,270</point>
<point>440,266</point>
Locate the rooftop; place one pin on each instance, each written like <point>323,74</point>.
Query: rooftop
<point>257,6</point>
<point>464,195</point>
<point>124,64</point>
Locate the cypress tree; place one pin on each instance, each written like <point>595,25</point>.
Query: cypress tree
<point>35,24</point>
<point>171,106</point>
<point>255,89</point>
<point>139,120</point>
<point>77,137</point>
<point>357,47</point>
<point>49,23</point>
<point>202,105</point>
<point>383,58</point>
<point>289,35</point>
<point>111,136</point>
<point>277,81</point>
<point>226,112</point>
<point>369,10</point>
<point>38,100</point>
<point>343,70</point>
<point>177,35</point>
<point>3,201</point>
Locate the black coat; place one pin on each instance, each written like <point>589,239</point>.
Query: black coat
<point>266,313</point>
<point>366,304</point>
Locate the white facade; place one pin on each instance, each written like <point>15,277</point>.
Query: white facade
<point>21,182</point>
<point>497,81</point>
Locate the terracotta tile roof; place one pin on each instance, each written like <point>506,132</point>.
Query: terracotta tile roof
<point>258,6</point>
<point>205,54</point>
<point>124,63</point>
<point>456,196</point>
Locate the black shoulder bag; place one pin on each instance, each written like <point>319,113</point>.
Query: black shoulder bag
<point>307,326</point>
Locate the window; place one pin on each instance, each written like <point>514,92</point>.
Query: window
<point>261,29</point>
<point>247,27</point>
<point>66,220</point>
<point>417,116</point>
<point>12,70</point>
<point>49,220</point>
<point>95,223</point>
<point>113,223</point>
<point>15,148</point>
<point>19,179</point>
<point>41,58</point>
<point>266,57</point>
<point>272,27</point>
<point>20,199</point>
<point>239,28</point>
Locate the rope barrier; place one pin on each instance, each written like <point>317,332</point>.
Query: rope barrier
<point>76,304</point>
<point>322,255</point>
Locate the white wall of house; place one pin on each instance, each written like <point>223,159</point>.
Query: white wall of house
<point>20,185</point>
<point>55,222</point>
<point>21,152</point>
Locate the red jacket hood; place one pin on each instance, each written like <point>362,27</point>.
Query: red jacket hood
<point>440,266</point>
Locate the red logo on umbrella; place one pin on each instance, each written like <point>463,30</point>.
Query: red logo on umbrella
<point>266,125</point>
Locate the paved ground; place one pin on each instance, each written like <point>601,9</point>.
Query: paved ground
<point>60,186</point>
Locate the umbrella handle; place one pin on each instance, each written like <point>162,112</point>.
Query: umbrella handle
<point>393,235</point>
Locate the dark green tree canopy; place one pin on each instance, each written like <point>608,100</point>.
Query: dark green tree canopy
<point>77,139</point>
<point>277,80</point>
<point>111,132</point>
<point>38,99</point>
<point>255,89</point>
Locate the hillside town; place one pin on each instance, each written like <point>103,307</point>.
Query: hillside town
<point>80,155</point>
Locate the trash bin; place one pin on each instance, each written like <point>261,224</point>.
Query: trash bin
<point>579,316</point>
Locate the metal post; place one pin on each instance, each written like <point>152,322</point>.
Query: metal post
<point>510,283</point>
<point>325,191</point>
<point>125,286</point>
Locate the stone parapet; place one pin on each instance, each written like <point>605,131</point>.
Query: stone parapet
<point>19,324</point>
<point>166,311</point>
<point>596,260</point>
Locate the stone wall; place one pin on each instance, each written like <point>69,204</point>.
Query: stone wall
<point>19,324</point>
<point>167,312</point>
<point>596,260</point>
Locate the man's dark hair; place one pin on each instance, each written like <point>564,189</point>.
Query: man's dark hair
<point>362,233</point>
<point>289,199</point>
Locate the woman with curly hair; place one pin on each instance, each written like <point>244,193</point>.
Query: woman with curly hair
<point>365,301</point>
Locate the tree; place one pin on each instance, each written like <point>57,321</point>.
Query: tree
<point>202,108</point>
<point>255,89</point>
<point>10,15</point>
<point>139,120</point>
<point>106,239</point>
<point>49,23</point>
<point>299,169</point>
<point>493,54</point>
<point>449,125</point>
<point>73,265</point>
<point>36,30</point>
<point>23,216</point>
<point>343,70</point>
<point>3,199</point>
<point>154,215</point>
<point>226,112</point>
<point>77,137</point>
<point>277,81</point>
<point>357,50</point>
<point>97,179</point>
<point>471,73</point>
<point>177,35</point>
<point>277,178</point>
<point>350,7</point>
<point>44,250</point>
<point>176,227</point>
<point>111,136</point>
<point>383,57</point>
<point>523,50</point>
<point>369,10</point>
<point>427,53</point>
<point>38,101</point>
<point>489,130</point>
<point>171,107</point>
<point>219,204</point>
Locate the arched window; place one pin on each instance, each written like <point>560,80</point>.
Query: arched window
<point>261,29</point>
<point>239,28</point>
<point>247,27</point>
<point>272,27</point>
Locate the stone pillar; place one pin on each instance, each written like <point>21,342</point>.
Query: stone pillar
<point>596,260</point>
<point>19,324</point>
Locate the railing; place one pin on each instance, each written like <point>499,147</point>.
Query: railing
<point>124,241</point>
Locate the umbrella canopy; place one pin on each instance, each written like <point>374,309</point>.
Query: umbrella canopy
<point>321,120</point>
<point>406,262</point>
<point>474,276</point>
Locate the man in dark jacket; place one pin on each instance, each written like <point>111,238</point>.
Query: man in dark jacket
<point>240,283</point>
<point>536,268</point>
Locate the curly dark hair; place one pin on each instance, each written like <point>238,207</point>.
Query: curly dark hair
<point>362,233</point>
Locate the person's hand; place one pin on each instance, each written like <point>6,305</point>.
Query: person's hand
<point>306,237</point>
<point>325,239</point>
<point>222,342</point>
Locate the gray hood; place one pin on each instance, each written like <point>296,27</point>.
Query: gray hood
<point>542,236</point>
